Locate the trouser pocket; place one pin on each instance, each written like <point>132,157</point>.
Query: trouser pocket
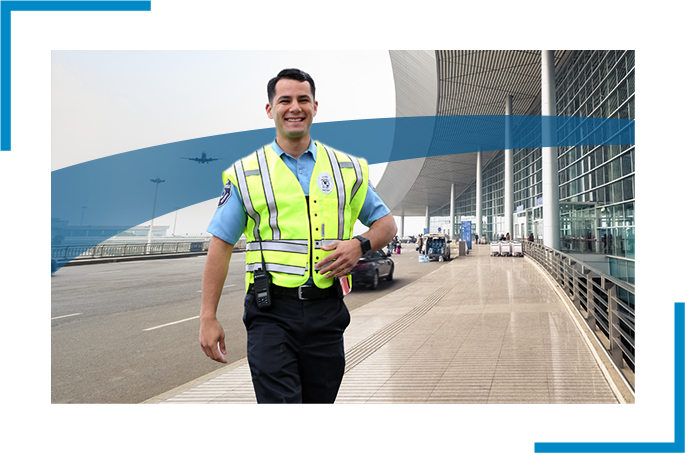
<point>248,306</point>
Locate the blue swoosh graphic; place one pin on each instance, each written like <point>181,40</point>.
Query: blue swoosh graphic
<point>678,444</point>
<point>118,192</point>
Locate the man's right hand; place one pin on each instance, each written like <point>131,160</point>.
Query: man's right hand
<point>211,334</point>
<point>213,278</point>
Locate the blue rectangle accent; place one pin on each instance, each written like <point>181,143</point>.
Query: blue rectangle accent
<point>5,73</point>
<point>6,9</point>
<point>132,5</point>
<point>678,445</point>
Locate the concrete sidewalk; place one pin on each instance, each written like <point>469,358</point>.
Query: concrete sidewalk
<point>480,329</point>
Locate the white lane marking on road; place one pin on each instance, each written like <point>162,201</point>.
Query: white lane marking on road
<point>106,272</point>
<point>171,323</point>
<point>227,286</point>
<point>65,316</point>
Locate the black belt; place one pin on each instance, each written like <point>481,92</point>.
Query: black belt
<point>305,292</point>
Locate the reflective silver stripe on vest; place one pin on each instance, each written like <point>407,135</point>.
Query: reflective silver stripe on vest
<point>357,170</point>
<point>360,177</point>
<point>340,185</point>
<point>254,172</point>
<point>247,202</point>
<point>280,246</point>
<point>322,243</point>
<point>272,267</point>
<point>269,194</point>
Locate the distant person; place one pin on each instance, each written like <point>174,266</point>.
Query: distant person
<point>419,243</point>
<point>476,238</point>
<point>531,238</point>
<point>507,238</point>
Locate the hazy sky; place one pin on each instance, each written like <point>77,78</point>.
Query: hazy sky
<point>109,102</point>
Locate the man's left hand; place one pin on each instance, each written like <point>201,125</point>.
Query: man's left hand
<point>342,260</point>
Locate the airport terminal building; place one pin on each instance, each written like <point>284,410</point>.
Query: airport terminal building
<point>579,200</point>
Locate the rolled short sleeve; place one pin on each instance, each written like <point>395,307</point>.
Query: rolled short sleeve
<point>373,207</point>
<point>230,217</point>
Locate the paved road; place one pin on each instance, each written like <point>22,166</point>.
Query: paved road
<point>125,332</point>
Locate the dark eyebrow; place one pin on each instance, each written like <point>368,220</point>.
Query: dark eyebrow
<point>287,97</point>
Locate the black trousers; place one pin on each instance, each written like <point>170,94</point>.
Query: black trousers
<point>295,349</point>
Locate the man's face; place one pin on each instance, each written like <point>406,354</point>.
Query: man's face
<point>293,108</point>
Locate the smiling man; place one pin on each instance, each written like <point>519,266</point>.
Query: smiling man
<point>292,110</point>
<point>296,200</point>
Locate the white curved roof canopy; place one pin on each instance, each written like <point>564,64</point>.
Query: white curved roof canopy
<point>459,82</point>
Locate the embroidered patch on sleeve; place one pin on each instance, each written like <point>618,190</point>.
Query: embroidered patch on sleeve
<point>226,194</point>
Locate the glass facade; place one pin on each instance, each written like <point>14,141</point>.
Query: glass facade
<point>596,183</point>
<point>493,198</point>
<point>601,83</point>
<point>527,175</point>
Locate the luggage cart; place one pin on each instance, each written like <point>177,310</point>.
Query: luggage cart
<point>494,249</point>
<point>437,247</point>
<point>516,249</point>
<point>505,249</point>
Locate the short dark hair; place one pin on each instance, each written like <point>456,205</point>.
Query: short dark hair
<point>290,73</point>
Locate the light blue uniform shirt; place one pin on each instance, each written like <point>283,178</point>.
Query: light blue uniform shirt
<point>230,218</point>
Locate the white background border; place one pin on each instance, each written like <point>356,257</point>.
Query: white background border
<point>25,173</point>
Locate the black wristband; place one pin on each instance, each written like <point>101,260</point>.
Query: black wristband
<point>366,244</point>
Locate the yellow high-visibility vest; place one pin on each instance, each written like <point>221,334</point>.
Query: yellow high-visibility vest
<point>286,227</point>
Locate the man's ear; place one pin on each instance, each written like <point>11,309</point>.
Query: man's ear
<point>268,111</point>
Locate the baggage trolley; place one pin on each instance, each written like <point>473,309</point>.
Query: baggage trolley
<point>516,249</point>
<point>494,249</point>
<point>505,249</point>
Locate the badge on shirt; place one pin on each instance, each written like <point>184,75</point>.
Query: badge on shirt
<point>325,182</point>
<point>226,194</point>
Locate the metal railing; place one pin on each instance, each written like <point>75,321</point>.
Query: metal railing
<point>140,248</point>
<point>607,304</point>
<point>70,252</point>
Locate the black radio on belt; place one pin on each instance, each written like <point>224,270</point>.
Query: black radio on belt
<point>261,284</point>
<point>261,289</point>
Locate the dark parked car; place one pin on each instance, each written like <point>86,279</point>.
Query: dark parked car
<point>372,267</point>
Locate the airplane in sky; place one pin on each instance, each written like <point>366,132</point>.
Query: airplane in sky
<point>203,159</point>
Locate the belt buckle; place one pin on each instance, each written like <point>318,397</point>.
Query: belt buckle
<point>299,292</point>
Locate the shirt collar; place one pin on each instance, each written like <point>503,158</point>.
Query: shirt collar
<point>280,152</point>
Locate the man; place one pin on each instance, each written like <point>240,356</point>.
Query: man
<point>298,220</point>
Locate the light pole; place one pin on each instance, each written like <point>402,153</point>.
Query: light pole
<point>175,217</point>
<point>157,182</point>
